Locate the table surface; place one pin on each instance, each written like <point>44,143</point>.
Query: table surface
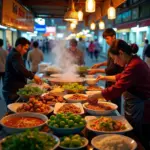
<point>86,133</point>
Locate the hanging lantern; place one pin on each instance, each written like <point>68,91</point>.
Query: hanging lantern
<point>111,11</point>
<point>75,22</point>
<point>101,25</point>
<point>72,25</point>
<point>93,26</point>
<point>71,14</point>
<point>80,15</point>
<point>90,6</point>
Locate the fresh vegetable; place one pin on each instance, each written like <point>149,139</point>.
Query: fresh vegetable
<point>43,80</point>
<point>29,90</point>
<point>67,120</point>
<point>74,87</point>
<point>29,140</point>
<point>72,141</point>
<point>82,69</point>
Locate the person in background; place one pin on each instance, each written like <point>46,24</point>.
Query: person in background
<point>97,49</point>
<point>91,49</point>
<point>146,53</point>
<point>75,53</point>
<point>3,56</point>
<point>134,83</point>
<point>87,43</point>
<point>35,56</point>
<point>111,68</point>
<point>15,73</point>
<point>81,45</point>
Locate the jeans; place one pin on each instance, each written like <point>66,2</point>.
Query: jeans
<point>10,97</point>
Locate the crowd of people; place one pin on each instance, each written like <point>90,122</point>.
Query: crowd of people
<point>127,75</point>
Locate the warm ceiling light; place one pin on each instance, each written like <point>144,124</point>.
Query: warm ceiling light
<point>111,11</point>
<point>93,26</point>
<point>101,25</point>
<point>72,25</point>
<point>90,6</point>
<point>80,15</point>
<point>71,14</point>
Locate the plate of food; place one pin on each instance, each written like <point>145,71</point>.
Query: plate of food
<point>51,98</point>
<point>23,141</point>
<point>113,141</point>
<point>73,142</point>
<point>63,75</point>
<point>66,123</point>
<point>101,108</point>
<point>76,98</point>
<point>20,122</point>
<point>33,105</point>
<point>110,125</point>
<point>75,108</point>
<point>94,88</point>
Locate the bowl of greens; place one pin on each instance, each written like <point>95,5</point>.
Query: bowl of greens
<point>73,142</point>
<point>29,91</point>
<point>30,140</point>
<point>72,88</point>
<point>66,124</point>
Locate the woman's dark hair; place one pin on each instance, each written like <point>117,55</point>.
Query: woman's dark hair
<point>109,32</point>
<point>135,48</point>
<point>120,45</point>
<point>1,42</point>
<point>35,44</point>
<point>21,40</point>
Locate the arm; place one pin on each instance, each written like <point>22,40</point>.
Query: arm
<point>17,64</point>
<point>93,71</point>
<point>107,78</point>
<point>99,65</point>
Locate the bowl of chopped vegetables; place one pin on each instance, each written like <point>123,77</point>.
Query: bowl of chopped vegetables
<point>72,88</point>
<point>28,91</point>
<point>73,142</point>
<point>30,140</point>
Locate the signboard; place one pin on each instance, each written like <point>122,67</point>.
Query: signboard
<point>51,30</point>
<point>16,16</point>
<point>40,28</point>
<point>126,16</point>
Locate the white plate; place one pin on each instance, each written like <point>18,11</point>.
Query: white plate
<point>95,141</point>
<point>76,148</point>
<point>67,98</point>
<point>14,106</point>
<point>11,130</point>
<point>99,112</point>
<point>58,105</point>
<point>55,137</point>
<point>118,118</point>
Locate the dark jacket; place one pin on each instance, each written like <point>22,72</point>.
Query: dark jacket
<point>147,51</point>
<point>112,69</point>
<point>15,73</point>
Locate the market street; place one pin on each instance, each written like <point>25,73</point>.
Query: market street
<point>49,58</point>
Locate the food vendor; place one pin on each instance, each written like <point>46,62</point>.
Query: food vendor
<point>76,54</point>
<point>133,83</point>
<point>15,73</point>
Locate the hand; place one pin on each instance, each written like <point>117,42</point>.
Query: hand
<point>37,79</point>
<point>92,71</point>
<point>93,99</point>
<point>100,77</point>
<point>96,66</point>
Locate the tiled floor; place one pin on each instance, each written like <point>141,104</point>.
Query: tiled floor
<point>49,58</point>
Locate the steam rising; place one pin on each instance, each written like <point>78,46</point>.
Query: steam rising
<point>64,60</point>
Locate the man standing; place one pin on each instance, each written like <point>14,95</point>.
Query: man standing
<point>3,55</point>
<point>146,53</point>
<point>35,56</point>
<point>112,69</point>
<point>15,73</point>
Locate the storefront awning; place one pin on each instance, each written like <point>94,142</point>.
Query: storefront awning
<point>126,25</point>
<point>145,22</point>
